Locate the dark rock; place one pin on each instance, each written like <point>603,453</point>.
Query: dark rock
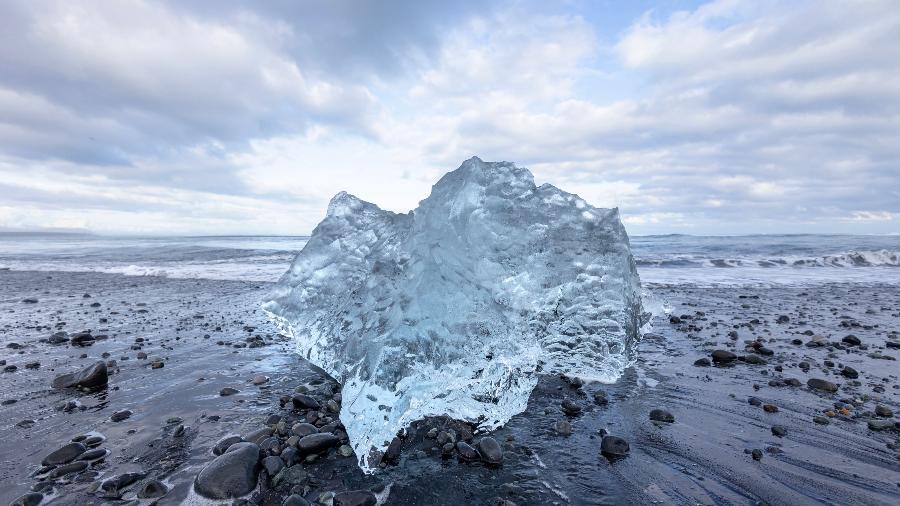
<point>757,454</point>
<point>315,443</point>
<point>295,500</point>
<point>702,362</point>
<point>114,486</point>
<point>820,384</point>
<point>661,415</point>
<point>304,429</point>
<point>392,453</point>
<point>779,430</point>
<point>71,467</point>
<point>600,398</point>
<point>879,425</point>
<point>849,372</point>
<point>95,454</point>
<point>293,475</point>
<point>223,444</point>
<point>119,416</point>
<point>93,376</point>
<point>563,428</point>
<point>355,498</point>
<point>152,489</point>
<point>273,465</point>
<point>614,446</point>
<point>883,411</point>
<point>32,499</point>
<point>231,474</point>
<point>490,451</point>
<point>851,340</point>
<point>303,401</point>
<point>570,408</point>
<point>228,391</point>
<point>466,452</point>
<point>66,454</point>
<point>723,357</point>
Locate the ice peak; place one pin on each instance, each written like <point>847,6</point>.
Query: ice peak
<point>344,203</point>
<point>451,308</point>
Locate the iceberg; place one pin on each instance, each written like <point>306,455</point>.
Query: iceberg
<point>456,307</point>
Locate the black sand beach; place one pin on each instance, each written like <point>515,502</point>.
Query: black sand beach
<point>750,429</point>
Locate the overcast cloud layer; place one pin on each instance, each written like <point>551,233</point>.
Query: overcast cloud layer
<point>229,117</point>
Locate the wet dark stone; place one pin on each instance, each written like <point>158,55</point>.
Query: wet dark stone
<point>231,474</point>
<point>303,401</point>
<point>273,465</point>
<point>466,452</point>
<point>661,415</point>
<point>152,489</point>
<point>392,453</point>
<point>614,446</point>
<point>757,454</point>
<point>119,416</point>
<point>304,429</point>
<point>851,340</point>
<point>723,357</point>
<point>570,408</point>
<point>32,499</point>
<point>228,391</point>
<point>315,443</point>
<point>355,498</point>
<point>820,384</point>
<point>849,372</point>
<point>66,454</point>
<point>93,376</point>
<point>114,486</point>
<point>295,500</point>
<point>883,411</point>
<point>702,362</point>
<point>71,467</point>
<point>779,430</point>
<point>95,454</point>
<point>223,444</point>
<point>490,451</point>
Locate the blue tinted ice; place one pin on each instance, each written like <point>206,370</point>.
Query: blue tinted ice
<point>455,307</point>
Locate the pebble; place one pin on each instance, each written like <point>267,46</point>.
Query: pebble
<point>93,376</point>
<point>152,489</point>
<point>820,384</point>
<point>779,430</point>
<point>64,455</point>
<point>303,401</point>
<point>228,391</point>
<point>883,411</point>
<point>32,499</point>
<point>354,498</point>
<point>570,408</point>
<point>563,427</point>
<point>223,444</point>
<point>119,416</point>
<point>304,429</point>
<point>466,452</point>
<point>614,446</point>
<point>295,500</point>
<point>723,357</point>
<point>661,415</point>
<point>315,443</point>
<point>231,474</point>
<point>273,465</point>
<point>490,451</point>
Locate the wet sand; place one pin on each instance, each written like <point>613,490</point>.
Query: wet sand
<point>193,327</point>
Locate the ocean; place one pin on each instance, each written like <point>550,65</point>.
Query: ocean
<point>753,260</point>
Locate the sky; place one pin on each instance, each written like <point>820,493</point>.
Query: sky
<point>239,117</point>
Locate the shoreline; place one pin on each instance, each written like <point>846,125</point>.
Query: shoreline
<point>699,458</point>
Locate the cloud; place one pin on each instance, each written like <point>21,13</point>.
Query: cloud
<point>736,116</point>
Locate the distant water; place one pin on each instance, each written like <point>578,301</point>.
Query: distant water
<point>669,259</point>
